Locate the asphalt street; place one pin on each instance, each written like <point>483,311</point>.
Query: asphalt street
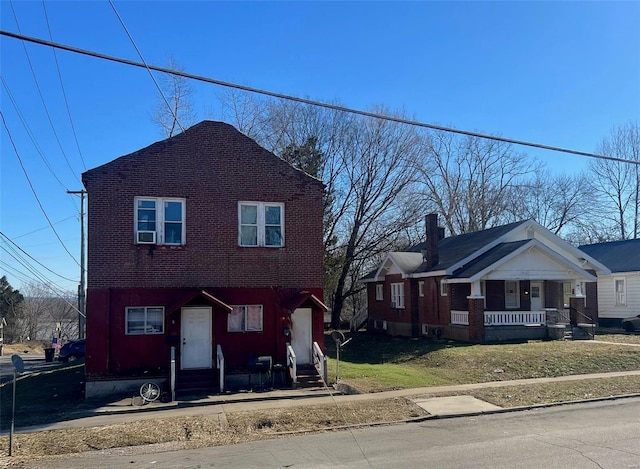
<point>604,435</point>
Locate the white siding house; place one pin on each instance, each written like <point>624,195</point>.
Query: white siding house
<point>619,292</point>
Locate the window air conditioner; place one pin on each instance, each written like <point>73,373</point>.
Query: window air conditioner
<point>146,237</point>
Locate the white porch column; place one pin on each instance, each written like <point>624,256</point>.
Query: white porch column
<point>476,290</point>
<point>576,286</point>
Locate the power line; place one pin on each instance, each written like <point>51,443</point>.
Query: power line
<point>64,94</point>
<point>44,104</point>
<point>312,102</point>
<point>26,279</point>
<point>24,170</point>
<point>29,133</point>
<point>174,114</point>
<point>34,259</point>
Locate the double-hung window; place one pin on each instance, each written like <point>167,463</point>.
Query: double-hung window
<point>142,320</point>
<point>159,221</point>
<point>261,224</point>
<point>511,294</point>
<point>397,295</point>
<point>620,291</point>
<point>379,292</point>
<point>245,318</point>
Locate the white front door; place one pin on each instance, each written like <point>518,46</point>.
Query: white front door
<point>537,296</point>
<point>196,345</point>
<point>301,338</point>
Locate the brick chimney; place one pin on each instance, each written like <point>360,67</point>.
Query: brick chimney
<point>434,234</point>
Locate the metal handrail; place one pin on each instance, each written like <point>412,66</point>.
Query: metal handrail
<point>320,361</point>
<point>291,362</point>
<point>220,364</point>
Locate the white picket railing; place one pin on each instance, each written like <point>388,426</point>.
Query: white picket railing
<point>320,361</point>
<point>460,317</point>
<point>220,364</point>
<point>514,318</point>
<point>502,318</point>
<point>291,363</point>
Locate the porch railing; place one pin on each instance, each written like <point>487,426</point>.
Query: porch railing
<point>320,361</point>
<point>502,318</point>
<point>460,317</point>
<point>514,318</point>
<point>358,319</point>
<point>291,363</point>
<point>220,365</point>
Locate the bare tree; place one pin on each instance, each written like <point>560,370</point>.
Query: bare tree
<point>617,184</point>
<point>470,181</point>
<point>175,106</point>
<point>45,313</point>
<point>363,163</point>
<point>558,202</point>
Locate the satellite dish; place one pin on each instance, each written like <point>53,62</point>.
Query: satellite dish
<point>18,363</point>
<point>337,336</point>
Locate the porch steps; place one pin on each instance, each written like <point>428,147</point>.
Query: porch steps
<point>577,333</point>
<point>188,381</point>
<point>308,378</point>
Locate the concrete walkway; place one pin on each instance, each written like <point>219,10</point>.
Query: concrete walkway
<point>124,411</point>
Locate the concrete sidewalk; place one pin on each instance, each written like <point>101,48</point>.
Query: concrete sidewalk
<point>124,411</point>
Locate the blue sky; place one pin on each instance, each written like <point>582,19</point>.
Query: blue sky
<point>558,73</point>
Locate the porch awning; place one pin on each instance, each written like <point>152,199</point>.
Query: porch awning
<point>189,297</point>
<point>302,298</point>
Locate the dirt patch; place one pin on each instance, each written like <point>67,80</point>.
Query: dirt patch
<point>33,346</point>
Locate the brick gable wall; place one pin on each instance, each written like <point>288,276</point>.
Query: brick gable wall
<point>213,167</point>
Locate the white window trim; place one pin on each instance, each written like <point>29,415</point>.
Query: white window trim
<point>160,221</point>
<point>517,294</point>
<point>443,288</point>
<point>421,288</point>
<point>145,331</point>
<point>261,242</point>
<point>620,300</point>
<point>245,322</point>
<point>397,295</point>
<point>379,292</point>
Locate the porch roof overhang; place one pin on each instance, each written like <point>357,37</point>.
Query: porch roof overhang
<point>302,298</point>
<point>485,265</point>
<point>189,297</point>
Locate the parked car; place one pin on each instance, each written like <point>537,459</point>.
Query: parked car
<point>631,324</point>
<point>72,351</point>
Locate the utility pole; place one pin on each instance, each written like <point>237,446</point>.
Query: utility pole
<point>81,287</point>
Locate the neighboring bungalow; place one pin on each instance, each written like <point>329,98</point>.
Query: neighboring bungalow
<point>205,254</point>
<point>503,283</point>
<point>619,291</point>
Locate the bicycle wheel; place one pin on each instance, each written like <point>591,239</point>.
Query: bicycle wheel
<point>150,391</point>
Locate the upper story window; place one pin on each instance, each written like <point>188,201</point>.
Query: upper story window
<point>261,224</point>
<point>421,288</point>
<point>159,221</point>
<point>397,295</point>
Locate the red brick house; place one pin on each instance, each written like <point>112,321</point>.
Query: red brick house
<point>200,247</point>
<point>516,281</point>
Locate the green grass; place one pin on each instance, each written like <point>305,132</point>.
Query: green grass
<point>43,397</point>
<point>377,363</point>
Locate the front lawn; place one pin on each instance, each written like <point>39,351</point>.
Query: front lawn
<point>373,363</point>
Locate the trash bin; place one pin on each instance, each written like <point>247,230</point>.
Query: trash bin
<point>48,354</point>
